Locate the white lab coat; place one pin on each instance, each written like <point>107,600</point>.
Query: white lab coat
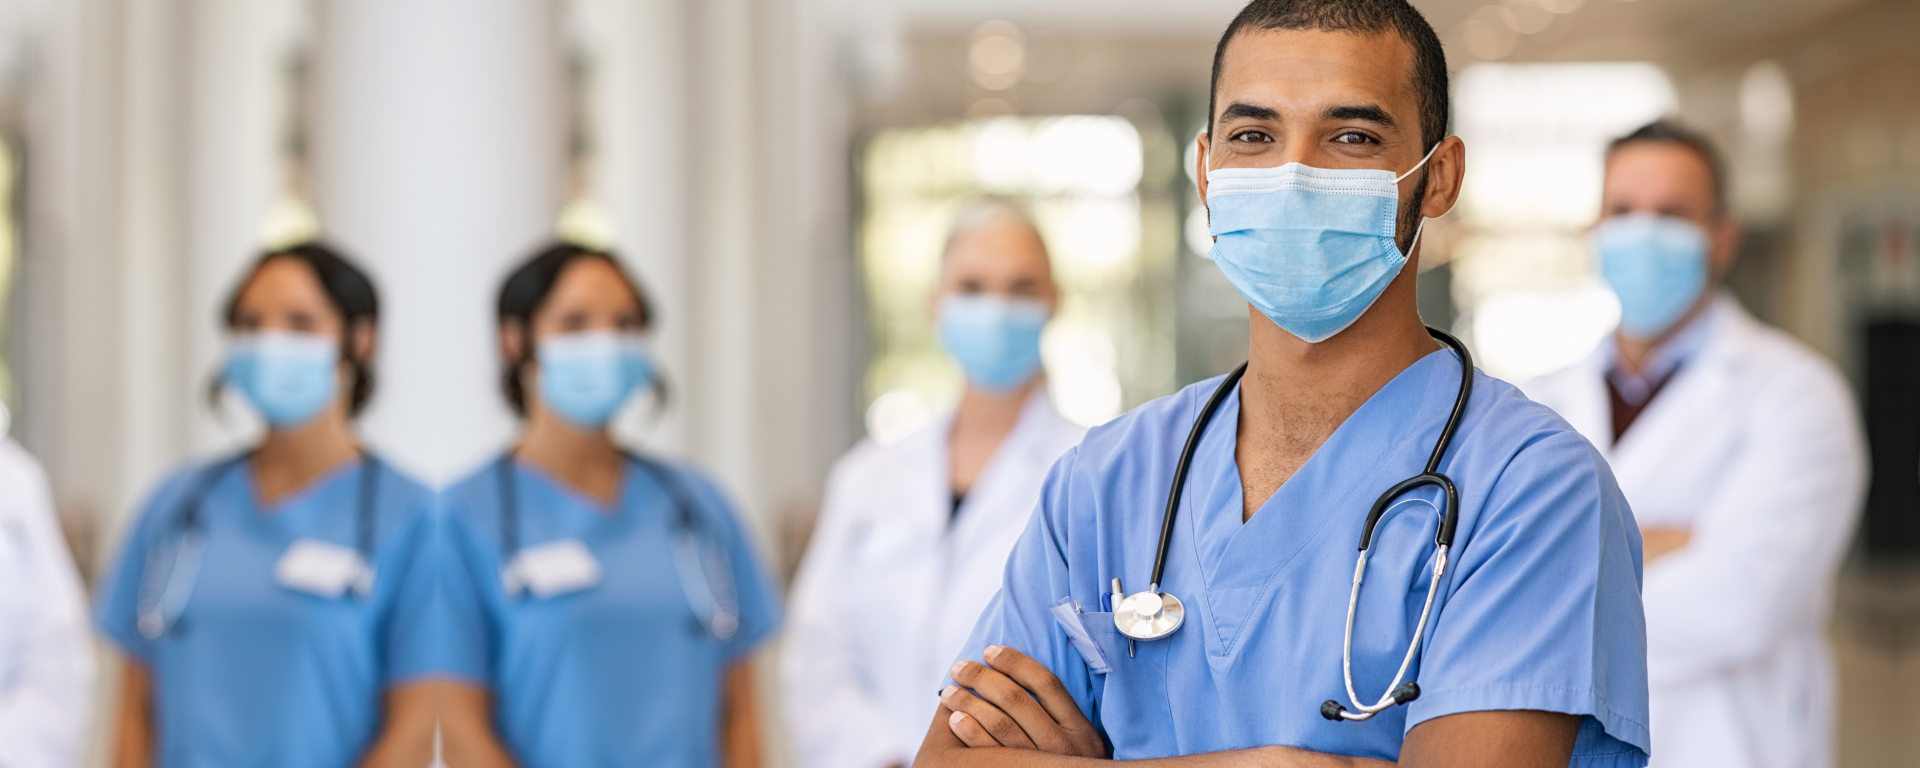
<point>46,655</point>
<point>1755,445</point>
<point>888,592</point>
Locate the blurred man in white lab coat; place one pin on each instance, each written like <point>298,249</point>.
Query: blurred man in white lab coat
<point>1740,451</point>
<point>913,536</point>
<point>46,648</point>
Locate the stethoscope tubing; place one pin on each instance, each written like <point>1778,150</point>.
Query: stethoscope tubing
<point>1180,472</point>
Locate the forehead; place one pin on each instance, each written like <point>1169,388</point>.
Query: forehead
<point>1003,244</point>
<point>591,279</point>
<point>1658,166</point>
<point>1310,66</point>
<point>282,278</point>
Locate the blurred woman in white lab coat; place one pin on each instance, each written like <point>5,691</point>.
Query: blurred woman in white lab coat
<point>914,535</point>
<point>1740,451</point>
<point>46,660</point>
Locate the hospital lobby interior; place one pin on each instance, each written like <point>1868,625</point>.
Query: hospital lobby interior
<point>782,175</point>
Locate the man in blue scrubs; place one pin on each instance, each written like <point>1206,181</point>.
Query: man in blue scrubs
<point>1325,152</point>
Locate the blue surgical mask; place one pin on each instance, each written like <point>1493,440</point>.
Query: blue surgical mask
<point>995,338</point>
<point>1311,248</point>
<point>1657,265</point>
<point>289,377</point>
<point>586,377</point>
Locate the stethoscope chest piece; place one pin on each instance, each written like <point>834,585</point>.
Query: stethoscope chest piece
<point>1149,615</point>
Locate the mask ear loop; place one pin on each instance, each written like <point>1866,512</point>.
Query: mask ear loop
<point>1423,220</point>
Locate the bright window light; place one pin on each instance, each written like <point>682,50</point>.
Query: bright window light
<point>1079,176</point>
<point>1536,136</point>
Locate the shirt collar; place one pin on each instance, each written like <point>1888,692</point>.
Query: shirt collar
<point>1683,346</point>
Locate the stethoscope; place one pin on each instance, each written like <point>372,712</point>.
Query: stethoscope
<point>711,593</point>
<point>168,581</point>
<point>1153,614</point>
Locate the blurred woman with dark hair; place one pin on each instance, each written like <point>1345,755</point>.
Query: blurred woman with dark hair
<point>606,602</point>
<point>266,602</point>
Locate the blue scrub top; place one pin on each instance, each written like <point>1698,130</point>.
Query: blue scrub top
<point>254,673</point>
<point>617,674</point>
<point>1539,608</point>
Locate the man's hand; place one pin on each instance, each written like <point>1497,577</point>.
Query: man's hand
<point>1656,543</point>
<point>1017,702</point>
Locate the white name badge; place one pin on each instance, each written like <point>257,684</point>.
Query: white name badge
<point>323,568</point>
<point>553,568</point>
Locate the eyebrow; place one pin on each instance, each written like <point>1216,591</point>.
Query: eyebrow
<point>1364,112</point>
<point>1249,111</point>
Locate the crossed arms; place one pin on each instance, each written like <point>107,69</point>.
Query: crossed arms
<point>1018,715</point>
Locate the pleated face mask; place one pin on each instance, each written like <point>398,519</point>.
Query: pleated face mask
<point>1311,248</point>
<point>586,376</point>
<point>289,377</point>
<point>1657,265</point>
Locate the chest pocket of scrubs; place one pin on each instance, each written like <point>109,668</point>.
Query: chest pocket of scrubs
<point>1130,701</point>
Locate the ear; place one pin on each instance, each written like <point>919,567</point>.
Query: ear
<point>1447,171</point>
<point>1203,144</point>
<point>364,338</point>
<point>513,340</point>
<point>1724,246</point>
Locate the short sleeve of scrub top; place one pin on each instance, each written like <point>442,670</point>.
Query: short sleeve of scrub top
<point>619,669</point>
<point>256,673</point>
<point>1539,608</point>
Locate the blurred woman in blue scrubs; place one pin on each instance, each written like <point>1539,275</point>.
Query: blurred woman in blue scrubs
<point>608,601</point>
<point>268,602</point>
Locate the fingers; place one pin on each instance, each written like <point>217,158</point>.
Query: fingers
<point>969,732</point>
<point>992,723</point>
<point>1036,678</point>
<point>1012,698</point>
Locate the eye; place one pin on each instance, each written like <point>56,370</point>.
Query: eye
<point>1353,137</point>
<point>1255,136</point>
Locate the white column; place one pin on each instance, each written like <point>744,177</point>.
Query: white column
<point>641,127</point>
<point>235,61</point>
<point>720,128</point>
<point>70,365</point>
<point>437,153</point>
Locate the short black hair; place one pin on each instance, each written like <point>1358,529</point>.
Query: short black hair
<point>1368,17</point>
<point>348,289</point>
<point>526,289</point>
<point>1664,131</point>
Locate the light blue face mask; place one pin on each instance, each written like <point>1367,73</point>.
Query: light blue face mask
<point>586,377</point>
<point>995,338</point>
<point>1311,248</point>
<point>289,377</point>
<point>1657,265</point>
